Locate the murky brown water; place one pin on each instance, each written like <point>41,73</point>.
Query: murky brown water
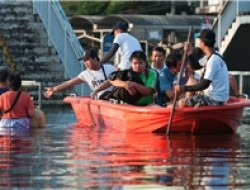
<point>64,157</point>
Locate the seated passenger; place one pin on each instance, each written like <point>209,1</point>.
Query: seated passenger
<point>120,93</point>
<point>147,76</point>
<point>195,67</point>
<point>167,77</point>
<point>94,74</point>
<point>214,82</point>
<point>158,64</point>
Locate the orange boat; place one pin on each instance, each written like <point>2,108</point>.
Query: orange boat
<point>128,118</point>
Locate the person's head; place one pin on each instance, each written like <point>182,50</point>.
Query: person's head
<point>14,81</point>
<point>119,27</point>
<point>207,38</point>
<point>3,75</point>
<point>91,59</point>
<point>158,56</point>
<point>197,56</point>
<point>138,61</point>
<point>174,61</point>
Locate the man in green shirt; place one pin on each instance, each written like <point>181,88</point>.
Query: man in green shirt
<point>149,77</point>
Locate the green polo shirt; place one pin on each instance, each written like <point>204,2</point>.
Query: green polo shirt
<point>149,81</point>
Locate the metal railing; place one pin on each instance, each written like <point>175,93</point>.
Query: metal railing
<point>63,38</point>
<point>227,16</point>
<point>241,81</point>
<point>28,83</point>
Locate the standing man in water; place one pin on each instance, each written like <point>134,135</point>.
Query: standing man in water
<point>124,43</point>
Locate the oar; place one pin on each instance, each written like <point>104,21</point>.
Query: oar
<point>178,82</point>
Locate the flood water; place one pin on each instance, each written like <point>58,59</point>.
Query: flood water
<point>62,156</point>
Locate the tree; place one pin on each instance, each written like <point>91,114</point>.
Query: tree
<point>126,7</point>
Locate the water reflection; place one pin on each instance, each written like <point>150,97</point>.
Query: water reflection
<point>11,164</point>
<point>146,159</point>
<point>65,157</point>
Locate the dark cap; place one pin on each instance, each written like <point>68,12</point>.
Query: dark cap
<point>119,25</point>
<point>91,53</point>
<point>207,36</point>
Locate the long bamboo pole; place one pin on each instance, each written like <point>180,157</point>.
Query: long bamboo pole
<point>178,82</point>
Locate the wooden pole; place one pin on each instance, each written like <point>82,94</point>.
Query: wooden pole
<point>178,82</point>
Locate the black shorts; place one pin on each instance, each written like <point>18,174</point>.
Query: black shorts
<point>201,100</point>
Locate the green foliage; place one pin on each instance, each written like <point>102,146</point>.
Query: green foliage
<point>84,7</point>
<point>115,7</point>
<point>125,7</point>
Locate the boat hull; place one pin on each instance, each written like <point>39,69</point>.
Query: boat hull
<point>127,118</point>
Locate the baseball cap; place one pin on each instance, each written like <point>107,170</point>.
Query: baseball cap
<point>119,25</point>
<point>207,36</point>
<point>91,53</point>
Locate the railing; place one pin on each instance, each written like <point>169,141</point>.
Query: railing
<point>62,37</point>
<point>28,83</point>
<point>241,81</point>
<point>227,16</point>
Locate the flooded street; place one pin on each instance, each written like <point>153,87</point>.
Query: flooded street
<point>62,156</point>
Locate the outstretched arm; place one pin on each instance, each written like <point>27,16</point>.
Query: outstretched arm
<point>110,54</point>
<point>63,86</point>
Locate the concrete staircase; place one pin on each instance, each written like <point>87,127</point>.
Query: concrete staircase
<point>25,47</point>
<point>240,20</point>
<point>232,30</point>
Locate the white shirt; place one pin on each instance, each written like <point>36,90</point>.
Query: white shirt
<point>217,72</point>
<point>197,75</point>
<point>128,44</point>
<point>95,78</point>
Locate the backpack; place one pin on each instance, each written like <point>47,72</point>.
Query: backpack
<point>121,93</point>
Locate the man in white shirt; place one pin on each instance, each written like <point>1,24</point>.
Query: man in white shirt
<point>215,81</point>
<point>94,75</point>
<point>124,43</point>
